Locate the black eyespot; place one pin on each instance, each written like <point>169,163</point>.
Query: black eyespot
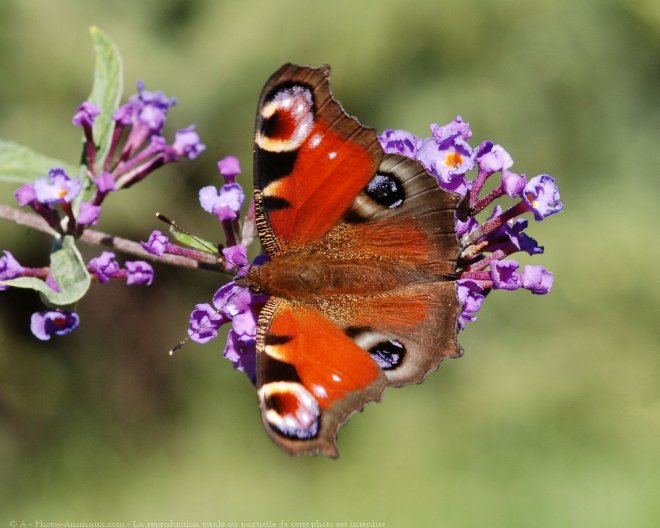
<point>388,354</point>
<point>387,190</point>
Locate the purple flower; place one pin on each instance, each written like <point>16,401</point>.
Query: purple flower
<point>105,183</point>
<point>53,322</point>
<point>512,183</point>
<point>150,108</point>
<point>471,296</point>
<point>139,272</point>
<point>399,142</point>
<point>242,352</point>
<point>466,226</point>
<point>232,299</point>
<point>9,268</point>
<point>457,127</point>
<point>88,214</point>
<point>448,160</point>
<point>245,323</point>
<point>241,306</point>
<point>204,323</point>
<point>229,167</point>
<point>235,256</point>
<point>157,243</point>
<point>492,158</point>
<point>86,114</point>
<point>104,267</point>
<point>57,187</point>
<point>542,196</point>
<point>187,143</point>
<point>520,240</point>
<point>504,276</point>
<point>537,279</point>
<point>124,114</point>
<point>25,194</point>
<point>226,203</point>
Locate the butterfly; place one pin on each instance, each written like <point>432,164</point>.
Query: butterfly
<point>360,275</point>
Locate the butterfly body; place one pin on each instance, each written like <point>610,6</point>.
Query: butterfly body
<point>362,253</point>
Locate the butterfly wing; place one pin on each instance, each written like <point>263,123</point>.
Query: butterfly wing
<point>310,158</point>
<point>311,376</point>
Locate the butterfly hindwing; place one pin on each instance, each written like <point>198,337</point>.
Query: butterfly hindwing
<point>311,376</point>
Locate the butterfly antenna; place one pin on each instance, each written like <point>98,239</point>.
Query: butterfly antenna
<point>176,226</point>
<point>178,346</point>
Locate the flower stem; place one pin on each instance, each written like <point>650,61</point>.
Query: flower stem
<point>92,237</point>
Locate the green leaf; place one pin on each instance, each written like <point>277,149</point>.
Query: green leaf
<point>194,242</point>
<point>68,269</point>
<point>19,164</point>
<point>106,92</point>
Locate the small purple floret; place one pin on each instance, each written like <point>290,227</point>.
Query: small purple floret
<point>150,108</point>
<point>463,227</point>
<point>225,203</point>
<point>157,243</point>
<point>104,267</point>
<point>537,279</point>
<point>9,268</point>
<point>242,352</point>
<point>471,296</point>
<point>187,143</point>
<point>514,229</point>
<point>204,323</point>
<point>504,275</point>
<point>57,187</point>
<point>139,272</point>
<point>448,160</point>
<point>105,183</point>
<point>492,158</point>
<point>241,306</point>
<point>25,194</point>
<point>512,183</point>
<point>88,214</point>
<point>235,256</point>
<point>399,142</point>
<point>86,114</point>
<point>124,114</point>
<point>229,167</point>
<point>542,196</point>
<point>457,127</point>
<point>53,322</point>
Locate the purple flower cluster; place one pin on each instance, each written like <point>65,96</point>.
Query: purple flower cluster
<point>137,148</point>
<point>232,303</point>
<point>53,196</point>
<point>483,263</point>
<point>236,305</point>
<point>105,267</point>
<point>72,203</point>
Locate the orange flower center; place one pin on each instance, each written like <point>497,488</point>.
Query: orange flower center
<point>453,160</point>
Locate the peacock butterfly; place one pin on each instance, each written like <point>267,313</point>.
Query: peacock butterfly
<point>361,266</point>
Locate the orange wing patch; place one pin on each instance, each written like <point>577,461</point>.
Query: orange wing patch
<point>328,362</point>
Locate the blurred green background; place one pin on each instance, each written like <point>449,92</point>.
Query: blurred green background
<point>552,417</point>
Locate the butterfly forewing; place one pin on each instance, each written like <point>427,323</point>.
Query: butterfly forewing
<point>311,159</point>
